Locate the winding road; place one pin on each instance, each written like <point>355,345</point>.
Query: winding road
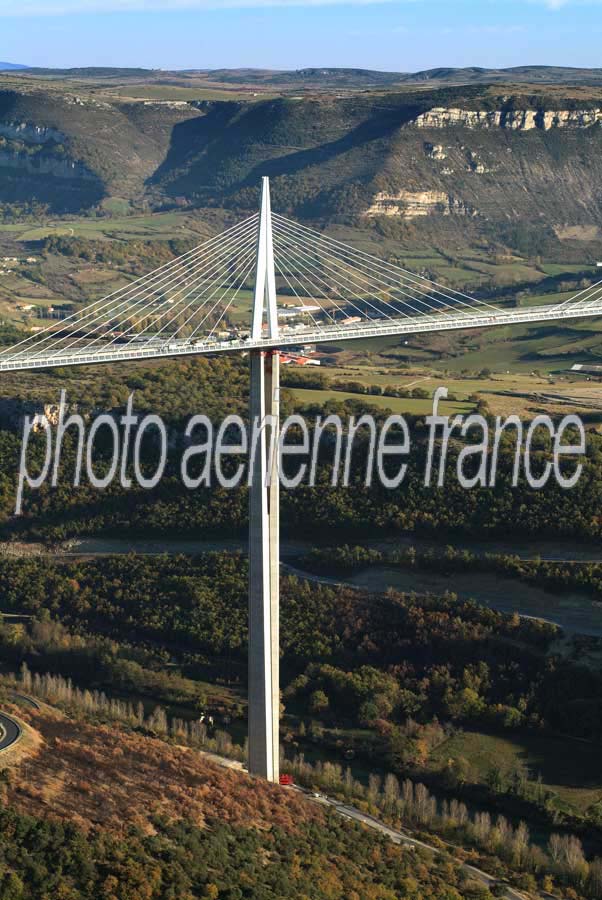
<point>10,731</point>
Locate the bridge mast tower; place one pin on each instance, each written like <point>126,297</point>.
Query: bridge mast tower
<point>264,501</point>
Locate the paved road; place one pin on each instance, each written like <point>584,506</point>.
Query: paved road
<point>25,699</point>
<point>10,731</point>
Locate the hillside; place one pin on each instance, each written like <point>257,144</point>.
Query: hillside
<point>459,154</point>
<point>358,78</point>
<point>450,166</point>
<point>67,152</point>
<point>100,812</point>
<point>330,78</point>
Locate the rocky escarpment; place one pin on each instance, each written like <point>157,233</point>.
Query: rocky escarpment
<point>38,150</point>
<point>30,133</point>
<point>414,204</point>
<point>35,160</point>
<point>454,161</point>
<point>44,164</point>
<point>67,152</point>
<point>513,119</point>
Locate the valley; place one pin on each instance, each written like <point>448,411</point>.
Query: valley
<point>440,651</point>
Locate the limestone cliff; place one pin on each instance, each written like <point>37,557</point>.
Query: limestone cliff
<point>413,204</point>
<point>459,161</point>
<point>30,133</point>
<point>513,119</point>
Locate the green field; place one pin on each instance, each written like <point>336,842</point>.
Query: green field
<point>504,392</point>
<point>461,386</point>
<point>522,349</point>
<point>571,768</point>
<point>158,226</point>
<point>557,269</point>
<point>175,92</point>
<point>545,348</point>
<point>409,405</point>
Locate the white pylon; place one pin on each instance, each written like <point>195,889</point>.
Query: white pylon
<point>265,279</point>
<point>264,543</point>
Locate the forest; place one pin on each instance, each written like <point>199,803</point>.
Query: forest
<point>200,608</point>
<point>217,388</point>
<point>500,845</point>
<point>43,858</point>
<point>409,670</point>
<point>389,678</point>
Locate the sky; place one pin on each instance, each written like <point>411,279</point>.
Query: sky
<point>392,35</point>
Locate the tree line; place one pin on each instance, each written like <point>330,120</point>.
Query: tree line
<point>218,387</point>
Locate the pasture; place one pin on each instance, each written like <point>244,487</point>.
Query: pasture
<point>570,768</point>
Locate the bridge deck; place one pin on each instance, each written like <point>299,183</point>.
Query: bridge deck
<point>411,325</point>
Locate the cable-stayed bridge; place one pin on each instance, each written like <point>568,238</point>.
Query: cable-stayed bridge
<point>266,284</point>
<point>324,291</point>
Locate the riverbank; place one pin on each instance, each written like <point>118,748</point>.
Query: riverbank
<point>573,611</point>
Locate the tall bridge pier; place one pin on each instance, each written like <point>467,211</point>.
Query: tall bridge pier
<point>176,311</point>
<point>264,538</point>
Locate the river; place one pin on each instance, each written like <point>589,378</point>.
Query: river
<point>574,611</point>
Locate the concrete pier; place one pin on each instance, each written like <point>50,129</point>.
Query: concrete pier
<point>264,687</point>
<point>264,501</point>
